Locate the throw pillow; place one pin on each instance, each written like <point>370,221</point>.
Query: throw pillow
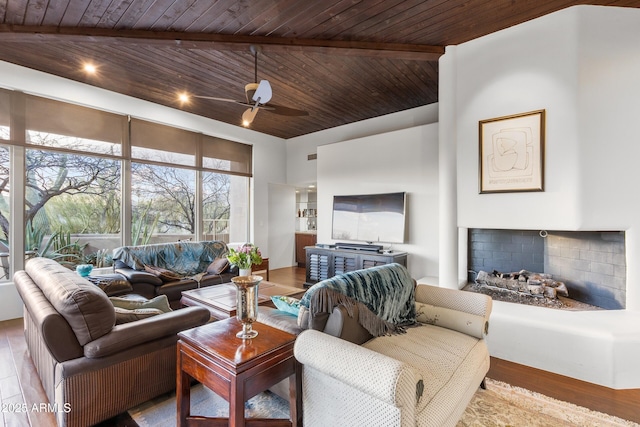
<point>164,274</point>
<point>218,266</point>
<point>467,323</point>
<point>124,315</point>
<point>287,304</point>
<point>111,284</point>
<point>161,302</point>
<point>303,317</point>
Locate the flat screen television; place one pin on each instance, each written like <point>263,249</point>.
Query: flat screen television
<point>369,218</point>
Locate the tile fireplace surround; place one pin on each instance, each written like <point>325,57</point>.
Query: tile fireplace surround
<point>601,346</point>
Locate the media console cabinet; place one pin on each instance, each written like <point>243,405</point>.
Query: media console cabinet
<point>323,263</point>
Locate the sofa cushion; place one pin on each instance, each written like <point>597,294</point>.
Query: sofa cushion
<point>124,315</point>
<point>134,307</point>
<point>164,274</point>
<point>434,352</point>
<point>83,305</point>
<point>111,284</point>
<point>218,266</point>
<point>159,303</point>
<point>460,321</point>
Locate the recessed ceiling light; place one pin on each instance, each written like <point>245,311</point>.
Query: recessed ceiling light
<point>183,97</point>
<point>90,68</point>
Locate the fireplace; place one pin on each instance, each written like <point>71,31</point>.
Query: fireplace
<point>592,264</point>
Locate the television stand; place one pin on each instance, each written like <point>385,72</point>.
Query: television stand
<point>359,247</point>
<point>323,263</point>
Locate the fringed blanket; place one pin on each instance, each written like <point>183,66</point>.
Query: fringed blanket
<point>384,295</point>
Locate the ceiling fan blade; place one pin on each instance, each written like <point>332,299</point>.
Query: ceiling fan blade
<point>218,99</point>
<point>249,115</point>
<point>286,111</point>
<point>263,92</point>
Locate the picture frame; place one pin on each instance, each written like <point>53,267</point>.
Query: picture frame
<point>512,153</point>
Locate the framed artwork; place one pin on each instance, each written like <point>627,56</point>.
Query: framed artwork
<point>512,153</point>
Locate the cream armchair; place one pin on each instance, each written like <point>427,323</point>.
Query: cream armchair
<point>425,377</point>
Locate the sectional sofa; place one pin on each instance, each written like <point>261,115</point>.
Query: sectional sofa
<point>92,369</point>
<point>170,268</point>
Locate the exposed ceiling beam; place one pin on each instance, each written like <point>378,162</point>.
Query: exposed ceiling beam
<point>401,51</point>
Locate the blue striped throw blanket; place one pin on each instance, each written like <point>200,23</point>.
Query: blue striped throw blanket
<point>384,296</point>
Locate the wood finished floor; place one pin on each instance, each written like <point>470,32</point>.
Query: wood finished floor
<point>20,386</point>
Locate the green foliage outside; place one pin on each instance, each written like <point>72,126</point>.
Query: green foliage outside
<point>69,194</point>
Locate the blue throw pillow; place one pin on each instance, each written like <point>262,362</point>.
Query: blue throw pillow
<point>287,304</point>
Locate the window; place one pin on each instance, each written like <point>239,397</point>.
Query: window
<point>164,144</point>
<point>183,184</point>
<point>163,203</point>
<point>72,206</point>
<point>163,194</point>
<point>4,115</point>
<point>4,213</point>
<point>225,207</point>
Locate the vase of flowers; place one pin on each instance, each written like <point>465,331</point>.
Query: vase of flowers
<point>244,257</point>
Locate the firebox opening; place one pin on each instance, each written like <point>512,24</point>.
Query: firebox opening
<point>534,267</point>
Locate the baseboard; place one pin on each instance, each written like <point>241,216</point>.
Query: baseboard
<point>620,403</point>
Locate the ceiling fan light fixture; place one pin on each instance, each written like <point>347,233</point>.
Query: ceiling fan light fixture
<point>248,116</point>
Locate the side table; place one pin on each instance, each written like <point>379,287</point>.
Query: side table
<point>261,268</point>
<point>236,370</point>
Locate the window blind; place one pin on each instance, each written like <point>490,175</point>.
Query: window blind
<point>61,118</point>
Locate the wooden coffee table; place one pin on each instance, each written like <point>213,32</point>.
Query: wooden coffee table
<point>220,300</point>
<point>236,370</point>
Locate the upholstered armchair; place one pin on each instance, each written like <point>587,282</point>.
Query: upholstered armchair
<point>424,377</point>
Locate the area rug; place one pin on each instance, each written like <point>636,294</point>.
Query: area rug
<point>500,405</point>
<point>503,405</point>
<point>161,412</point>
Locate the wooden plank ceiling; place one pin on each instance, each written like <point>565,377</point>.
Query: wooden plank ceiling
<point>340,60</point>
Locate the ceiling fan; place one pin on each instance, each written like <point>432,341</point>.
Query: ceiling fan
<point>257,96</point>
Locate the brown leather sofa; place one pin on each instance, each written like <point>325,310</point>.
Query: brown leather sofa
<point>90,368</point>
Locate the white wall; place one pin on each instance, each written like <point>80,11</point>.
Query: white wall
<point>580,65</point>
<point>301,172</point>
<point>403,160</point>
<point>282,199</point>
<point>268,152</point>
<point>529,67</point>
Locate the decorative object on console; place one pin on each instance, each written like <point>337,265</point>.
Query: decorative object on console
<point>244,257</point>
<point>247,304</point>
<point>512,153</point>
<point>84,269</point>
